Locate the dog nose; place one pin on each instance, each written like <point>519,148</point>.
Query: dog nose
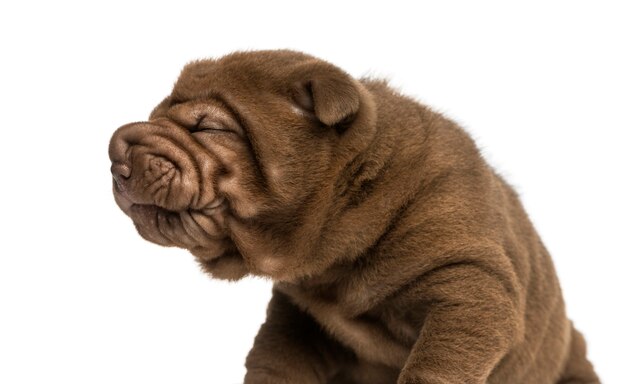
<point>119,155</point>
<point>121,172</point>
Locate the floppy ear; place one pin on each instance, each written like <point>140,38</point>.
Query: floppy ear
<point>325,91</point>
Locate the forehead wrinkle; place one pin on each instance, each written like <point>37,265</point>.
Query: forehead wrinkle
<point>212,111</point>
<point>191,112</point>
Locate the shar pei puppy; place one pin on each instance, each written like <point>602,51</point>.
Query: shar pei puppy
<point>397,254</point>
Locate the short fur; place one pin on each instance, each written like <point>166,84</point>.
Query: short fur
<point>398,254</point>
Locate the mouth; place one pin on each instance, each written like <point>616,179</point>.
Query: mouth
<point>201,229</point>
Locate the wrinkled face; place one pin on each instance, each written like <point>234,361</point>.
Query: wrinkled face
<point>240,164</point>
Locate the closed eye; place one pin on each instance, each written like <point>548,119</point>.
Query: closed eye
<point>205,124</point>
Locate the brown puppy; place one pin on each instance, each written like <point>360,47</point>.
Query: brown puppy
<point>398,254</point>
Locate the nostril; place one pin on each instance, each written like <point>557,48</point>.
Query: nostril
<point>121,173</point>
<point>120,170</point>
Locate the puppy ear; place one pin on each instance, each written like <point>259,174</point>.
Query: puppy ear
<point>325,91</point>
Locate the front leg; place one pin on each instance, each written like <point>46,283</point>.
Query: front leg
<point>473,321</point>
<point>291,348</point>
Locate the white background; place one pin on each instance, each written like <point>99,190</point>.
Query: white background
<point>84,300</point>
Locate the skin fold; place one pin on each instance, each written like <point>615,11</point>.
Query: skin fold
<point>397,254</point>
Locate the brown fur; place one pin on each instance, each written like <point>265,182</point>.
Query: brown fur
<point>398,254</point>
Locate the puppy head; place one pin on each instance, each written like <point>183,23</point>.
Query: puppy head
<point>240,163</point>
